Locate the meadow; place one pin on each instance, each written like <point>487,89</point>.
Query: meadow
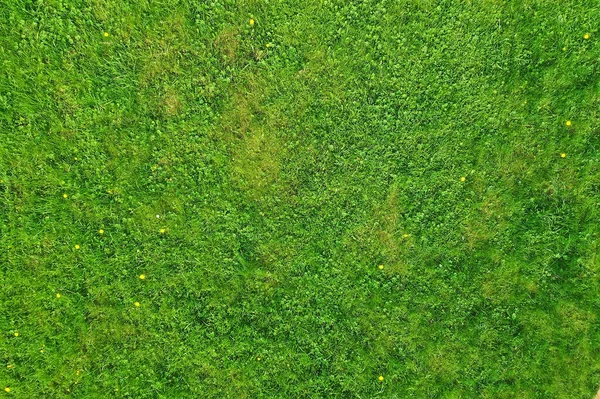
<point>299,199</point>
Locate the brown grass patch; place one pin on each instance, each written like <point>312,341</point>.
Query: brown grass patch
<point>161,60</point>
<point>483,225</point>
<point>575,319</point>
<point>272,252</point>
<point>506,282</point>
<point>164,49</point>
<point>383,236</point>
<point>251,130</point>
<point>227,43</point>
<point>172,103</point>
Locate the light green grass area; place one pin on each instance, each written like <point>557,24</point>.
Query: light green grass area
<point>317,194</point>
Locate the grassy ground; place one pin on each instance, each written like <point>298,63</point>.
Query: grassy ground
<point>317,194</point>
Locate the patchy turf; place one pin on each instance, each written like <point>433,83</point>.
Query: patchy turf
<point>353,199</point>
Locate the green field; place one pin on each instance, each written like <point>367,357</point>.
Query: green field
<point>299,199</point>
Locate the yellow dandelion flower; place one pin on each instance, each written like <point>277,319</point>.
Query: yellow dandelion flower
<point>137,304</point>
<point>380,266</point>
<point>77,246</point>
<point>586,36</point>
<point>251,22</point>
<point>463,178</point>
<point>380,378</point>
<point>101,231</point>
<point>58,295</point>
<point>105,34</point>
<point>258,358</point>
<point>41,351</point>
<point>563,155</point>
<point>564,49</point>
<point>405,235</point>
<point>568,123</point>
<point>16,334</point>
<point>65,195</point>
<point>142,276</point>
<point>162,231</point>
<point>268,45</point>
<point>7,389</point>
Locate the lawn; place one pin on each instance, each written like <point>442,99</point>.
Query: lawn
<point>299,199</point>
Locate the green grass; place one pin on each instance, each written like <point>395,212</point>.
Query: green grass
<point>286,161</point>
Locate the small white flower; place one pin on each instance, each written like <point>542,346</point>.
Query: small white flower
<point>157,216</point>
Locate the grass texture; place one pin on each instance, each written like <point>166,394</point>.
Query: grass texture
<point>299,199</point>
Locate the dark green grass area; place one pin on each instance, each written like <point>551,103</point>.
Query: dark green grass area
<point>338,191</point>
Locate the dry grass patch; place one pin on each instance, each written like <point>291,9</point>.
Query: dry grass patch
<point>227,43</point>
<point>383,235</point>
<point>252,132</point>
